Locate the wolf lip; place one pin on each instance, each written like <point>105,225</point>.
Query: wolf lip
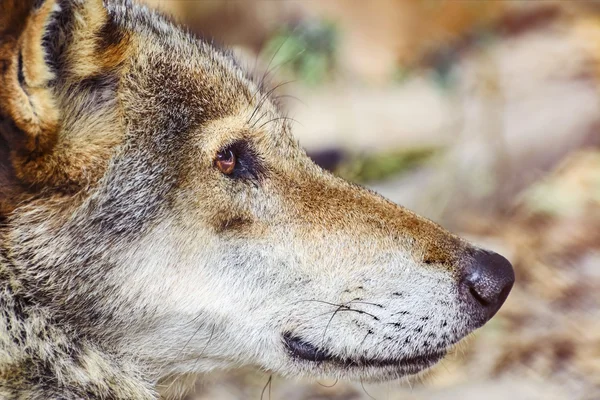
<point>300,349</point>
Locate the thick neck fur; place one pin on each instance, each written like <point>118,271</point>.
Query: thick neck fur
<point>73,367</point>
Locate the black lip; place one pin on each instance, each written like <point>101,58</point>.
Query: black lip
<point>303,350</point>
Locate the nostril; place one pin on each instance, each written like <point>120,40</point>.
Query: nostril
<point>477,297</point>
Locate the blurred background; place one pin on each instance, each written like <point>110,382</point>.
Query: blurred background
<point>481,115</point>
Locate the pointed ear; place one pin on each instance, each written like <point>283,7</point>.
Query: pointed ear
<point>29,117</point>
<point>60,61</point>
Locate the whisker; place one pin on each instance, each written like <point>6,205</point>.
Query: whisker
<point>328,386</point>
<point>186,343</point>
<point>365,302</point>
<point>264,114</point>
<point>259,85</point>
<point>198,358</point>
<point>328,323</point>
<point>212,333</point>
<point>370,332</point>
<point>268,71</point>
<point>376,318</point>
<point>345,306</point>
<point>292,58</point>
<point>268,384</point>
<point>318,301</point>
<point>262,79</point>
<point>281,96</point>
<point>265,97</point>
<point>312,318</point>
<point>365,390</point>
<point>276,119</point>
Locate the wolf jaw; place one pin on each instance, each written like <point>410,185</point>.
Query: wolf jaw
<point>129,254</point>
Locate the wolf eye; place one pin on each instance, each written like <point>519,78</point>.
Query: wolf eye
<point>226,161</point>
<point>239,161</point>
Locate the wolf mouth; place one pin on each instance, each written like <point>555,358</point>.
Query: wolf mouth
<point>303,350</point>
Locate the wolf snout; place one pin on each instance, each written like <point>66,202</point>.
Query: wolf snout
<point>485,284</point>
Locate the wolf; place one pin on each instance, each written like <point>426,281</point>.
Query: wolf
<point>159,221</point>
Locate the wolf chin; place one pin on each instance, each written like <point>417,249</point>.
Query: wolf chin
<point>159,221</point>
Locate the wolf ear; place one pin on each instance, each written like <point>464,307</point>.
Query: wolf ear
<point>36,38</point>
<point>29,117</point>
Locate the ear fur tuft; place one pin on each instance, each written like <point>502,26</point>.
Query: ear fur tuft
<point>55,57</point>
<point>30,119</point>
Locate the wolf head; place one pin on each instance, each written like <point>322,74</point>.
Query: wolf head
<point>156,202</point>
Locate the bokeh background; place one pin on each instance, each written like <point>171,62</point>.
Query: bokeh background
<point>481,115</point>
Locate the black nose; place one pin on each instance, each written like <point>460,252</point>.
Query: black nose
<point>486,283</point>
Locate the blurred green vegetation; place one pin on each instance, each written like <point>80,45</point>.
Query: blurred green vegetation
<point>381,166</point>
<point>307,51</point>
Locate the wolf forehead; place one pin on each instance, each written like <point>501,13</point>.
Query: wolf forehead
<point>136,97</point>
<point>138,79</point>
<point>121,45</point>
